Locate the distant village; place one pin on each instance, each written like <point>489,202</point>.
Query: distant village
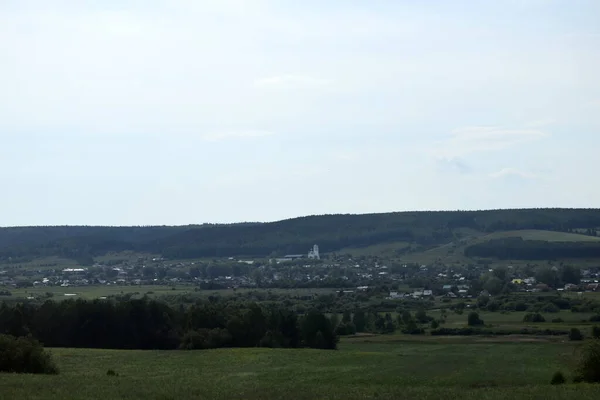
<point>296,270</point>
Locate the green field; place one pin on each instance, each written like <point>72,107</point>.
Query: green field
<point>97,291</point>
<point>548,236</point>
<point>361,369</point>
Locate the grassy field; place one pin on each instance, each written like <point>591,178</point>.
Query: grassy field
<point>361,369</point>
<point>97,291</point>
<point>548,236</point>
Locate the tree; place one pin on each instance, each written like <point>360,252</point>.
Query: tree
<point>347,317</point>
<point>494,286</point>
<point>334,320</point>
<point>500,273</point>
<point>421,316</point>
<point>588,368</point>
<point>548,276</point>
<point>360,321</point>
<point>558,378</point>
<point>25,355</point>
<point>317,332</point>
<point>575,334</point>
<point>149,272</point>
<point>569,274</point>
<point>406,317</point>
<point>534,317</point>
<point>474,320</point>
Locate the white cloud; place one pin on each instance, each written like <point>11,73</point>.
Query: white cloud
<point>508,172</point>
<point>478,139</point>
<point>290,80</point>
<point>227,135</point>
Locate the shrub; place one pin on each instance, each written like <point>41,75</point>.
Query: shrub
<point>550,308</point>
<point>557,320</point>
<point>520,306</point>
<point>111,372</point>
<point>25,355</point>
<point>575,334</point>
<point>534,317</point>
<point>596,332</point>
<point>558,378</point>
<point>588,368</point>
<point>474,320</point>
<point>595,318</point>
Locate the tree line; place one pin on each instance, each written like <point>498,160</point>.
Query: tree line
<point>150,324</point>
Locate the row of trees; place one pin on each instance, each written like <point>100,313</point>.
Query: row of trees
<point>148,324</point>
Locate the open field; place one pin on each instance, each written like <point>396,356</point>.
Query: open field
<point>514,320</point>
<point>97,291</point>
<point>548,236</point>
<point>432,369</point>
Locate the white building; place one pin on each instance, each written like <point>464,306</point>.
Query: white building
<point>314,253</point>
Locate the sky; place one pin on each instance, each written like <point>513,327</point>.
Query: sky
<point>175,112</point>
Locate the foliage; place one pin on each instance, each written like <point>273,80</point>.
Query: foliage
<point>558,378</point>
<point>25,355</point>
<point>317,331</point>
<point>474,320</point>
<point>534,317</point>
<point>575,334</point>
<point>596,332</point>
<point>82,243</point>
<point>150,324</point>
<point>588,368</point>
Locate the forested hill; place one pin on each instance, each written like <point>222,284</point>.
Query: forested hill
<point>297,235</point>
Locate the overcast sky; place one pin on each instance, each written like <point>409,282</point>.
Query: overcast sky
<point>190,111</point>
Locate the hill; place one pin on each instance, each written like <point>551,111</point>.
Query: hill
<point>414,230</point>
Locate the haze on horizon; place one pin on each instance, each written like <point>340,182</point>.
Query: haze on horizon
<point>182,112</point>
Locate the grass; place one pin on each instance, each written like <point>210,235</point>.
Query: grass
<point>361,369</point>
<point>97,291</point>
<point>548,236</point>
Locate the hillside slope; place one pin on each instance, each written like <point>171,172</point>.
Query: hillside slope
<point>297,235</point>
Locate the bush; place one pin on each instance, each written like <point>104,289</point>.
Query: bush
<point>550,308</point>
<point>596,332</point>
<point>474,319</point>
<point>575,334</point>
<point>557,320</point>
<point>588,368</point>
<point>558,378</point>
<point>534,317</point>
<point>25,355</point>
<point>595,318</point>
<point>520,306</point>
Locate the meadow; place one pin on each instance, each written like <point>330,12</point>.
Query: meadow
<point>97,291</point>
<point>364,367</point>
